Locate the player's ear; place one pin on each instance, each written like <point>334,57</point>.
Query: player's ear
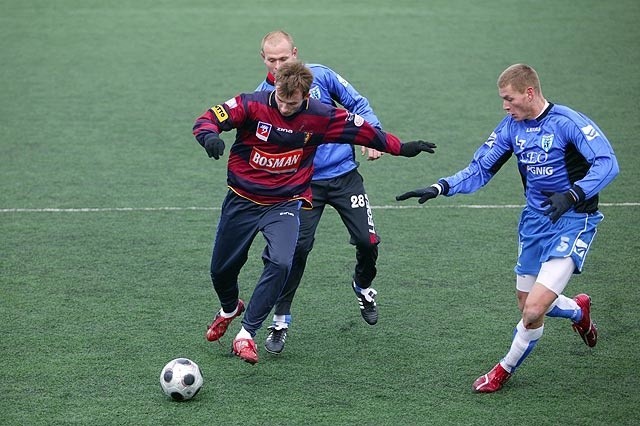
<point>530,93</point>
<point>294,52</point>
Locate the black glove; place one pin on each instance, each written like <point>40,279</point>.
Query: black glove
<point>560,202</point>
<point>425,193</point>
<point>214,145</point>
<point>411,149</point>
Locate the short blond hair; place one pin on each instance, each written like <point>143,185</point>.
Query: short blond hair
<point>276,36</point>
<point>519,77</point>
<point>293,76</point>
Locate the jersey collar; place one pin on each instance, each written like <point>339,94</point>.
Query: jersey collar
<point>545,111</point>
<point>271,79</point>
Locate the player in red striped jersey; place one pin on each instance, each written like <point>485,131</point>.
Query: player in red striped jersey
<point>269,173</point>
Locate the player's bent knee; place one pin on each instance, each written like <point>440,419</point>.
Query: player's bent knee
<point>281,264</point>
<point>533,313</point>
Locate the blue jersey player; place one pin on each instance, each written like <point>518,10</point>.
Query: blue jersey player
<point>336,182</point>
<point>564,160</point>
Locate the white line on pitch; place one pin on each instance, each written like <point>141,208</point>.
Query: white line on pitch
<point>156,209</point>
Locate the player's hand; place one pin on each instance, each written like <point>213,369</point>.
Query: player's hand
<point>559,203</point>
<point>424,193</point>
<point>372,154</point>
<point>411,149</point>
<point>214,146</point>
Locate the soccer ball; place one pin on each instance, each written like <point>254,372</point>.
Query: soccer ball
<point>181,379</point>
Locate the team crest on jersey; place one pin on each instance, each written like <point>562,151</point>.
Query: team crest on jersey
<point>263,130</point>
<point>590,132</point>
<point>307,136</point>
<point>357,120</point>
<point>546,142</point>
<point>276,163</point>
<point>315,93</point>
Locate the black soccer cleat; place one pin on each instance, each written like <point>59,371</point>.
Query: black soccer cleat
<point>367,301</point>
<point>275,340</point>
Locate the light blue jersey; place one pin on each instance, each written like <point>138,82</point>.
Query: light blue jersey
<point>559,149</point>
<point>329,87</point>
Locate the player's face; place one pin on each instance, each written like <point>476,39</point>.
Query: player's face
<point>518,105</point>
<point>277,52</point>
<point>289,105</point>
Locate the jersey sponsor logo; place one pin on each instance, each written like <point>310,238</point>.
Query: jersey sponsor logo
<point>284,162</point>
<point>540,170</point>
<point>532,129</point>
<point>546,142</point>
<point>520,142</point>
<point>231,103</point>
<point>590,132</point>
<point>532,157</point>
<point>220,113</point>
<point>263,131</point>
<point>314,92</point>
<point>491,139</point>
<point>282,129</point>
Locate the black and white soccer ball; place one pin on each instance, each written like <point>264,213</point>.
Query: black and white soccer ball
<point>181,379</point>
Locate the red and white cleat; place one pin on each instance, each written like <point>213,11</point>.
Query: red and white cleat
<point>220,324</point>
<point>586,328</point>
<point>492,381</point>
<point>246,349</point>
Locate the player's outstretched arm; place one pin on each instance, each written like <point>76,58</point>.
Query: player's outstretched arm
<point>411,149</point>
<point>423,194</point>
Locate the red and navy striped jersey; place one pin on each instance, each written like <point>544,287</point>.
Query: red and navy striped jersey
<point>271,159</point>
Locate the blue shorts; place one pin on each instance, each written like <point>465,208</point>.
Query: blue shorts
<point>540,240</point>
